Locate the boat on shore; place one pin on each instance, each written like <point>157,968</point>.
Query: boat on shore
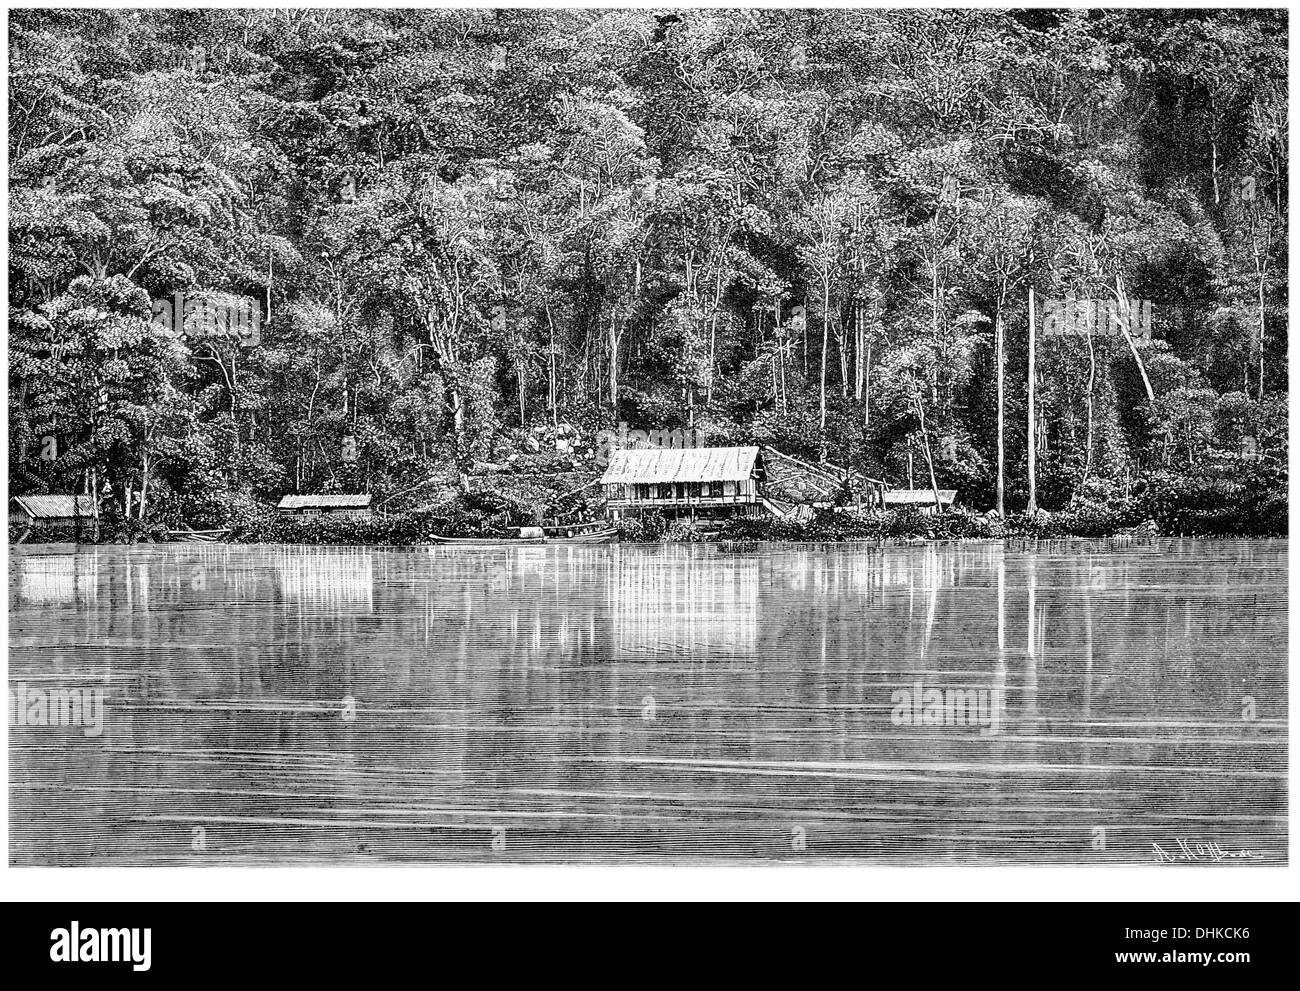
<point>199,536</point>
<point>577,533</point>
<point>435,538</point>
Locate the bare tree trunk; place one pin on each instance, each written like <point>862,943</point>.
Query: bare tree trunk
<point>1033,422</point>
<point>613,365</point>
<point>94,502</point>
<point>804,332</point>
<point>1092,380</point>
<point>1122,299</point>
<point>781,354</point>
<point>1000,361</point>
<point>1214,168</point>
<point>941,350</point>
<point>925,448</point>
<point>1263,271</point>
<point>519,377</point>
<point>551,390</point>
<point>713,329</point>
<point>457,414</point>
<point>866,387</point>
<point>147,466</point>
<point>859,341</point>
<point>842,340</point>
<point>826,304</point>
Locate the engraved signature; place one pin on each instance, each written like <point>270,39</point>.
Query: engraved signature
<point>1210,853</point>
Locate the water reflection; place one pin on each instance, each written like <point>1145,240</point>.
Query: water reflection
<point>340,578</point>
<point>661,603</point>
<point>58,579</point>
<point>624,702</point>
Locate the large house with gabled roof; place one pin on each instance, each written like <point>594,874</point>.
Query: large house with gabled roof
<point>697,482</point>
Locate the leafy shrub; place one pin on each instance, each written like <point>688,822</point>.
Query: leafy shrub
<point>400,528</point>
<point>962,524</point>
<point>894,524</point>
<point>648,528</point>
<point>1250,502</point>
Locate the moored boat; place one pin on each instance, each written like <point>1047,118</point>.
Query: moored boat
<point>199,536</point>
<point>435,538</point>
<point>578,533</point>
<point>603,536</point>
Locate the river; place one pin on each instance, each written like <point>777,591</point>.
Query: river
<point>1071,702</point>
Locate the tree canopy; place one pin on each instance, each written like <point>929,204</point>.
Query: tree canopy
<point>803,228</point>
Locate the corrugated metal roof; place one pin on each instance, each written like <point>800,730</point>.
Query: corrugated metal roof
<point>46,507</point>
<point>912,497</point>
<point>690,464</point>
<point>324,501</point>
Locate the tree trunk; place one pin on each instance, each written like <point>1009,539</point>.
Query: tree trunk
<point>519,377</point>
<point>144,486</point>
<point>842,340</point>
<point>1092,380</point>
<point>552,390</point>
<point>613,365</point>
<point>1032,439</point>
<point>1122,299</point>
<point>925,449</point>
<point>826,303</point>
<point>1214,168</point>
<point>804,333</point>
<point>781,354</point>
<point>457,414</point>
<point>94,503</point>
<point>859,342</point>
<point>713,333</point>
<point>1262,273</point>
<point>1000,361</point>
<point>866,387</point>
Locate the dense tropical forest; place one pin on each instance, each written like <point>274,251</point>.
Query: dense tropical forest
<point>476,238</point>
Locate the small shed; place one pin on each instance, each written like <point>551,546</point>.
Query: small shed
<point>324,504</point>
<point>698,481</point>
<point>922,499</point>
<point>50,509</point>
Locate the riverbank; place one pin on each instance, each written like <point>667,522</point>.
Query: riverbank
<point>903,525</point>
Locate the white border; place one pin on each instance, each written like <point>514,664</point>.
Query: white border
<point>651,883</point>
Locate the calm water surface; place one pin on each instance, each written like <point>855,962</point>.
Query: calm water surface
<point>272,704</point>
